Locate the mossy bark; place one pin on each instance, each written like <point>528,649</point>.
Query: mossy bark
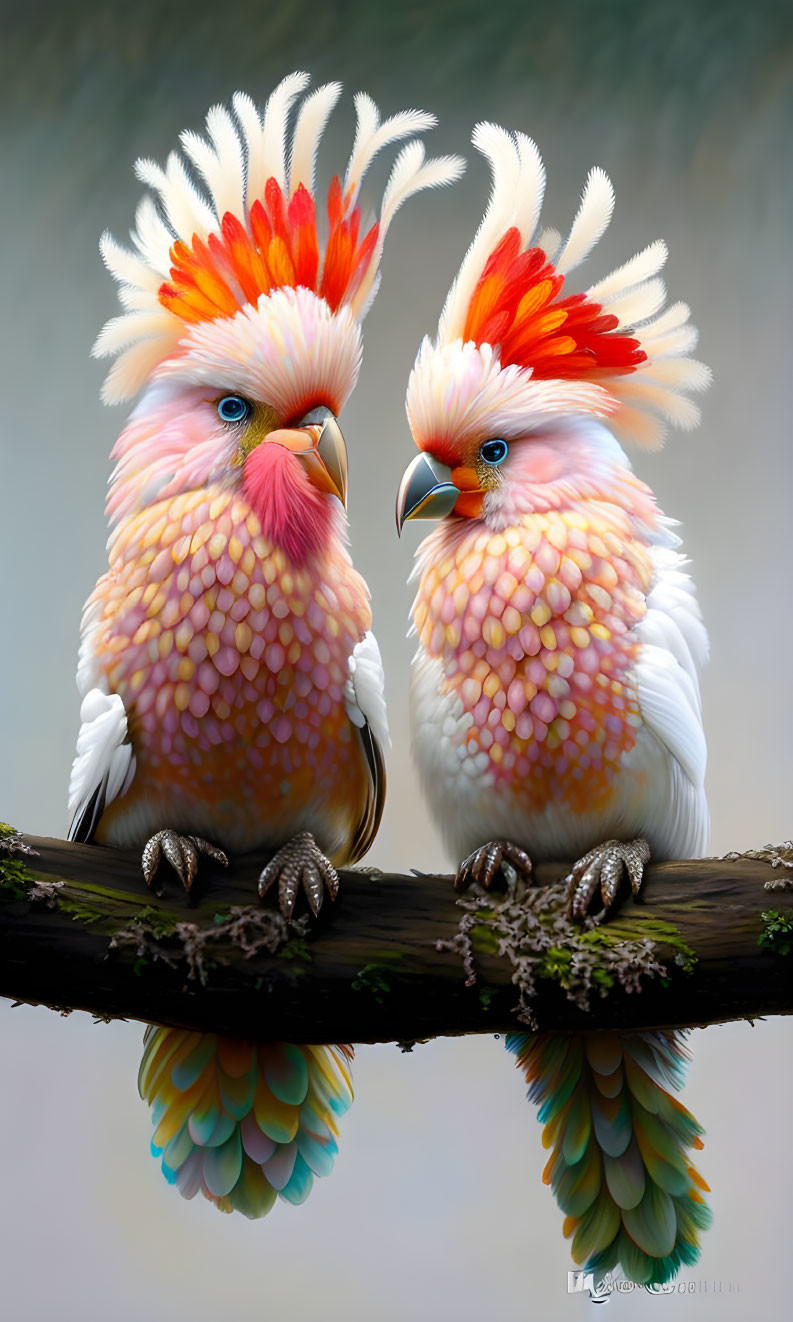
<point>395,958</point>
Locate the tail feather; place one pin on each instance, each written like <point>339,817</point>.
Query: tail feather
<point>619,1164</point>
<point>243,1123</point>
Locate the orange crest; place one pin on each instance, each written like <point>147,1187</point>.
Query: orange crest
<point>280,249</point>
<point>210,244</point>
<point>516,305</point>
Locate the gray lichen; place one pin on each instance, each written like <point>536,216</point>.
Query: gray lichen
<point>46,891</point>
<point>530,928</point>
<point>247,928</point>
<point>779,856</point>
<point>11,842</point>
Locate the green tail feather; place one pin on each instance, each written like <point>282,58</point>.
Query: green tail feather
<point>243,1123</point>
<point>620,1165</point>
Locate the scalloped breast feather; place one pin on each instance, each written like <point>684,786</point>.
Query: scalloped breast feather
<point>203,252</point>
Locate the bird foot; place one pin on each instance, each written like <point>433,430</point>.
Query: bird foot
<point>182,852</point>
<point>300,862</point>
<point>485,863</point>
<point>602,869</point>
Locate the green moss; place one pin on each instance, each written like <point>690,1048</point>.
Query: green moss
<point>296,949</point>
<point>777,934</point>
<point>625,927</point>
<point>14,875</point>
<point>154,921</point>
<point>484,939</point>
<point>81,913</point>
<point>374,979</point>
<point>556,966</point>
<point>14,879</point>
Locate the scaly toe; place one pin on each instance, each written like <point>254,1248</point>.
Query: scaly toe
<point>182,852</point>
<point>313,887</point>
<point>485,863</point>
<point>602,870</point>
<point>300,863</point>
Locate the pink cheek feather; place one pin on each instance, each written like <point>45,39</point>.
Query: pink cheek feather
<point>540,464</point>
<point>292,513</point>
<point>169,449</point>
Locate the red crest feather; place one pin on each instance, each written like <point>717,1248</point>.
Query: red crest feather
<point>236,267</point>
<point>516,305</point>
<point>209,244</point>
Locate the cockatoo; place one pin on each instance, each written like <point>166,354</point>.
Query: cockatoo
<point>554,692</point>
<point>232,690</point>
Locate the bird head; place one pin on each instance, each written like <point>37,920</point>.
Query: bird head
<point>517,403</point>
<point>242,311</point>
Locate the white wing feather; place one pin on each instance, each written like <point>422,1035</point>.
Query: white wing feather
<point>104,760</point>
<point>673,595</point>
<point>365,690</point>
<point>669,705</point>
<point>674,647</point>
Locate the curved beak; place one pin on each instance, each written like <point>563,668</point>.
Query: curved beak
<point>426,491</point>
<point>322,452</point>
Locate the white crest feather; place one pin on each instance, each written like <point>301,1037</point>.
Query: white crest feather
<point>121,331</point>
<point>666,403</point>
<point>133,300</point>
<point>367,122</point>
<point>276,115</point>
<point>151,237</point>
<point>645,264</point>
<point>135,364</point>
<point>252,133</point>
<point>639,304</point>
<point>219,161</point>
<point>550,241</point>
<point>314,114</point>
<point>670,324</point>
<point>531,186</point>
<point>591,222</point>
<point>265,139</point>
<point>370,139</point>
<point>186,210</point>
<point>126,266</point>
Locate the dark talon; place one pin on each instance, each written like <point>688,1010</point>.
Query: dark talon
<point>182,852</point>
<point>300,862</point>
<point>484,864</point>
<point>602,870</point>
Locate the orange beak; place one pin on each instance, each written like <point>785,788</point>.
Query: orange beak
<point>321,450</point>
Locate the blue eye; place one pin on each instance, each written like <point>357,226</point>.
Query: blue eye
<point>494,452</point>
<point>233,408</point>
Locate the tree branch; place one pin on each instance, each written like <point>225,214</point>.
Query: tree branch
<point>396,958</point>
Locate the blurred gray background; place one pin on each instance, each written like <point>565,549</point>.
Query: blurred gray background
<point>435,1210</point>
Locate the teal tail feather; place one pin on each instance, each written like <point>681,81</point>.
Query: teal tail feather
<point>619,1165</point>
<point>240,1122</point>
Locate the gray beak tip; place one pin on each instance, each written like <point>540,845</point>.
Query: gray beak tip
<point>425,491</point>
